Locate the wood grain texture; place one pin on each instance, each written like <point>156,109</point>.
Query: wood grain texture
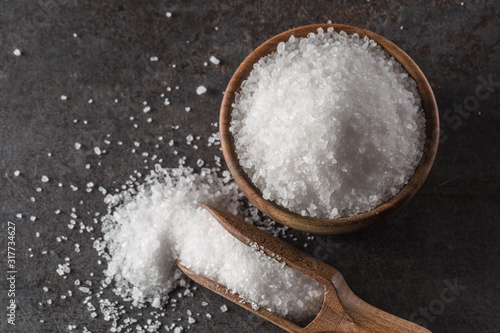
<point>340,225</point>
<point>342,310</point>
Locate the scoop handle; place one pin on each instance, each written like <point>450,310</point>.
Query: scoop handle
<point>359,316</point>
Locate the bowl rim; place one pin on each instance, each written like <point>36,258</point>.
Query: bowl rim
<point>343,224</point>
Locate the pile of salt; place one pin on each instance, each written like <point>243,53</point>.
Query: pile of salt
<point>329,125</point>
<point>161,221</point>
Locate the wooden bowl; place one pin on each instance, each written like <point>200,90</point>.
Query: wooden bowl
<point>323,225</point>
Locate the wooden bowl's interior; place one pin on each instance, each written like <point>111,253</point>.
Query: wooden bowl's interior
<point>346,224</point>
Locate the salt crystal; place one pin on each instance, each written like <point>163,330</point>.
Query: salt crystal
<point>97,150</point>
<point>77,145</point>
<point>201,90</point>
<point>156,303</point>
<point>64,97</point>
<point>45,179</point>
<point>146,109</point>
<point>63,269</point>
<point>84,290</point>
<point>17,173</point>
<point>168,14</point>
<point>17,52</point>
<point>214,60</point>
<point>223,308</point>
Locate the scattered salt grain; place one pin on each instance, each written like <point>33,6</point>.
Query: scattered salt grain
<point>64,97</point>
<point>97,150</point>
<point>154,58</point>
<point>347,125</point>
<point>168,14</point>
<point>77,145</point>
<point>45,179</point>
<point>201,90</point>
<point>223,308</point>
<point>63,269</point>
<point>17,173</point>
<point>84,290</point>
<point>17,52</point>
<point>214,60</point>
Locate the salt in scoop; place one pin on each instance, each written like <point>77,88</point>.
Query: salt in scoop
<point>342,310</point>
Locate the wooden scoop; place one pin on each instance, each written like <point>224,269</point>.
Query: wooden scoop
<point>342,311</point>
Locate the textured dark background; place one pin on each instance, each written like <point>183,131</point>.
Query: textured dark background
<point>449,232</point>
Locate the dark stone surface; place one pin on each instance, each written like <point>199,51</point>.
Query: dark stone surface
<point>449,233</point>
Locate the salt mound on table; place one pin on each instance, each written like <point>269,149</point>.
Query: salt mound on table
<point>149,228</point>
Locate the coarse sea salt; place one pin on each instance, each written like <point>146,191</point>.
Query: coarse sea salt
<point>150,227</point>
<point>329,125</point>
<point>201,90</point>
<point>214,60</point>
